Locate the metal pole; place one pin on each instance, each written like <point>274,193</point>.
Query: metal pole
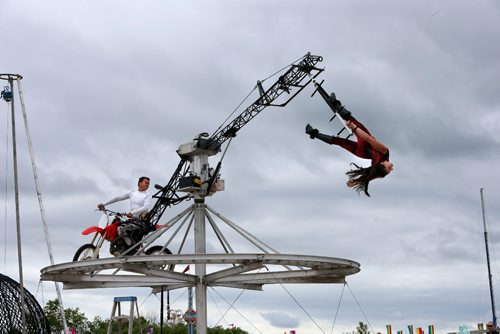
<point>18,221</point>
<point>488,261</point>
<point>168,306</point>
<point>200,268</point>
<point>40,201</point>
<point>161,310</point>
<point>190,325</point>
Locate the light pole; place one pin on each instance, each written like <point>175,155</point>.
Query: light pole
<point>8,95</point>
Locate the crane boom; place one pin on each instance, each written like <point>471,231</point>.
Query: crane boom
<point>167,196</point>
<point>293,81</point>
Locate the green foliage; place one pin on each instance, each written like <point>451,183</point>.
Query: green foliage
<point>98,326</point>
<point>77,319</point>
<point>220,330</point>
<point>74,318</point>
<point>53,315</point>
<point>175,329</point>
<point>362,328</point>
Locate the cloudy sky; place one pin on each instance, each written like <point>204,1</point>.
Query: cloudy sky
<point>112,88</point>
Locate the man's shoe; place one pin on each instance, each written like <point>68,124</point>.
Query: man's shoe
<point>311,131</point>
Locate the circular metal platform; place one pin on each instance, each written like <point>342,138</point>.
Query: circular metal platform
<point>248,271</point>
<point>10,76</point>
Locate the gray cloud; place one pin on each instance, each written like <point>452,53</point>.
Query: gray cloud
<point>113,88</point>
<point>281,319</point>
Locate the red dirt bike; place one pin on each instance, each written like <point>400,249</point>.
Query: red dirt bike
<point>122,233</point>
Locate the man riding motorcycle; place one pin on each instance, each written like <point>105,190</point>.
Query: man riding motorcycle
<point>133,229</point>
<point>140,199</point>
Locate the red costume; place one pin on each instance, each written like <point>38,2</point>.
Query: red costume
<point>360,147</point>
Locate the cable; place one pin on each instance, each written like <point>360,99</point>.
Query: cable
<point>239,105</point>
<point>296,301</point>
<point>38,288</point>
<point>38,191</point>
<point>40,284</point>
<point>232,113</point>
<point>272,75</point>
<point>364,315</point>
<point>182,294</point>
<point>217,307</point>
<point>338,308</point>
<point>43,295</point>
<point>146,299</point>
<point>231,306</point>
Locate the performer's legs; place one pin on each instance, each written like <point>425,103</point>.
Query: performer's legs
<point>346,144</point>
<point>358,124</point>
<point>361,145</point>
<point>357,147</point>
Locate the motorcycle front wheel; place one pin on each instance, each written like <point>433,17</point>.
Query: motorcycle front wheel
<point>85,252</point>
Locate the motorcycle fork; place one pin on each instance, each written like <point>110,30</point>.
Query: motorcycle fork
<point>99,243</point>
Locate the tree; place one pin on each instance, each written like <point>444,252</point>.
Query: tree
<point>74,318</point>
<point>362,328</point>
<point>98,326</point>
<point>77,319</point>
<point>220,330</point>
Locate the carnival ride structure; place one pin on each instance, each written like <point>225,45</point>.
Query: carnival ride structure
<point>194,179</point>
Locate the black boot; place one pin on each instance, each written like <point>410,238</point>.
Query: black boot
<point>341,110</point>
<point>344,113</point>
<point>314,133</point>
<point>311,132</point>
<point>334,102</point>
<point>326,138</point>
<point>333,97</point>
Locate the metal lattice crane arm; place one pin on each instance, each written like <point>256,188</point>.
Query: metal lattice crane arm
<point>167,196</point>
<point>292,82</point>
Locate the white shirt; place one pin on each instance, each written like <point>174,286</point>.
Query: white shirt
<point>140,201</point>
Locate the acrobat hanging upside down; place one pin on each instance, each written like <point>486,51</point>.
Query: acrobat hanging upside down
<point>365,146</point>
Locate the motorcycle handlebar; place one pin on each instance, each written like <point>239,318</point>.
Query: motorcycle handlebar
<point>110,212</point>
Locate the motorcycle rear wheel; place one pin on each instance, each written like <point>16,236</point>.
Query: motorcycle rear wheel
<point>85,252</point>
<point>156,250</point>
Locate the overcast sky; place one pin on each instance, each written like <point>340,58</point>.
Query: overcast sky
<point>112,88</point>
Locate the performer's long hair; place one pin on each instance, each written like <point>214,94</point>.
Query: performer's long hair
<point>360,177</point>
